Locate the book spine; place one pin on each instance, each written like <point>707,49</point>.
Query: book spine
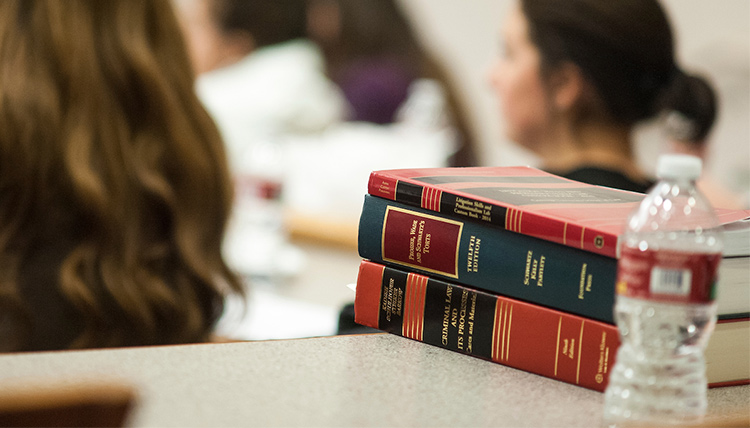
<point>521,335</point>
<point>510,218</point>
<point>488,258</point>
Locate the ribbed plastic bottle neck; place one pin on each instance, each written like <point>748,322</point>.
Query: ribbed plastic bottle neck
<point>679,167</point>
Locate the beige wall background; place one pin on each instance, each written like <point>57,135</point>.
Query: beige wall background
<point>713,38</point>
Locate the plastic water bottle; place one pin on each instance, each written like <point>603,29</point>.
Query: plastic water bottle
<point>256,234</point>
<point>665,310</point>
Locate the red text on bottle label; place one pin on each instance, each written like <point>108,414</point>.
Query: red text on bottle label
<point>669,276</point>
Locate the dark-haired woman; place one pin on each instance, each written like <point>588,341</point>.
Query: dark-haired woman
<point>687,129</point>
<point>577,75</point>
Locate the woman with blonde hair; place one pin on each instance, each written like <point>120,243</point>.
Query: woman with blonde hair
<point>114,189</point>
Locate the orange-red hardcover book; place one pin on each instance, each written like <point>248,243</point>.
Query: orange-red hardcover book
<point>521,199</point>
<point>529,337</point>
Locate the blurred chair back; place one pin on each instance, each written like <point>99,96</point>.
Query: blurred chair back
<point>66,405</point>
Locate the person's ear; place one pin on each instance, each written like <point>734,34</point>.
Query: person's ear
<point>567,86</point>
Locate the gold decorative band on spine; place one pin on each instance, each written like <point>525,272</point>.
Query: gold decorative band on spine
<point>583,229</point>
<point>507,343</point>
<point>431,199</point>
<point>520,217</point>
<point>413,320</point>
<point>580,346</point>
<point>496,328</point>
<point>513,220</point>
<point>557,345</point>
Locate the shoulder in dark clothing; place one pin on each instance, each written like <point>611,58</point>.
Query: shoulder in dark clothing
<point>607,178</point>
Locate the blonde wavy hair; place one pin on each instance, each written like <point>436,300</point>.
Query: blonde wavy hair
<point>113,178</point>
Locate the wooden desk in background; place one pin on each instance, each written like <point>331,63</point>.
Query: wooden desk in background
<point>354,381</point>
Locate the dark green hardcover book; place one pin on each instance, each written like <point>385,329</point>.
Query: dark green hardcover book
<point>488,258</point>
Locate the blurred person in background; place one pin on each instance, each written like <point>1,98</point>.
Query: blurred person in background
<point>687,127</point>
<point>264,83</point>
<point>114,191</point>
<point>576,76</point>
<point>258,75</point>
<point>374,55</point>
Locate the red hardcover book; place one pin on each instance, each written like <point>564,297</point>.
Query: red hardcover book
<point>521,199</point>
<point>529,337</point>
<point>533,338</point>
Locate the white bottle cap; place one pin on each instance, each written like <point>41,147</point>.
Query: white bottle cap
<point>679,167</point>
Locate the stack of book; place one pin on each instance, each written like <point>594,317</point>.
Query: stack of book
<point>518,266</point>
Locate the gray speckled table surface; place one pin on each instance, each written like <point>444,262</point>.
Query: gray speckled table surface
<point>367,380</point>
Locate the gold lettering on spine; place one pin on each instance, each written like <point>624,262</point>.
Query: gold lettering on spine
<point>417,241</point>
<point>526,273</point>
<point>384,188</point>
<point>388,300</point>
<point>565,233</point>
<point>446,315</point>
<point>541,272</point>
<point>462,319</point>
<point>582,282</point>
<point>580,345</point>
<point>472,254</point>
<point>476,255</point>
<point>472,312</point>
<point>557,346</point>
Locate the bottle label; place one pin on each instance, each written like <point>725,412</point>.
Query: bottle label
<point>669,276</point>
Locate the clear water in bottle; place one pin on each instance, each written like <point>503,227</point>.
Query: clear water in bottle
<point>256,234</point>
<point>665,308</point>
